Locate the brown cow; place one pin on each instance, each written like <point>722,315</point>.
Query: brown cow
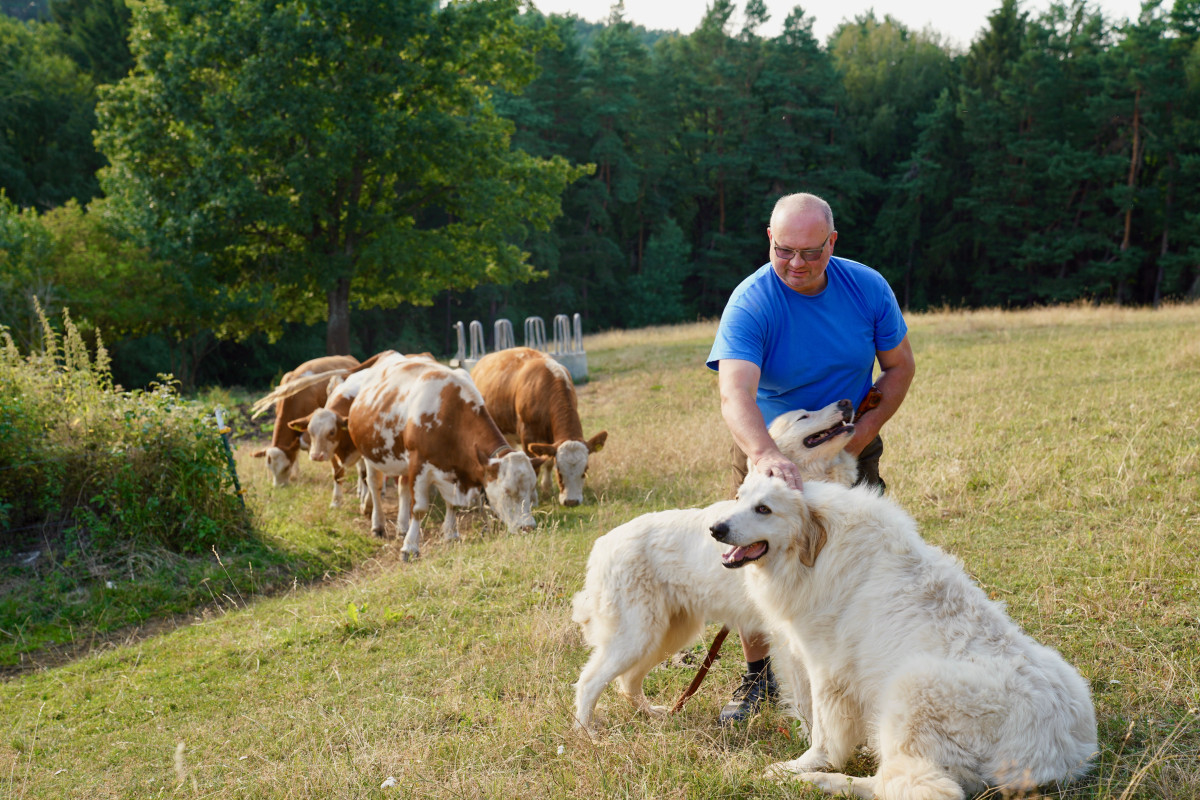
<point>532,398</point>
<point>427,423</point>
<point>286,443</point>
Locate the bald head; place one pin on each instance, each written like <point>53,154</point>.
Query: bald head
<point>801,203</point>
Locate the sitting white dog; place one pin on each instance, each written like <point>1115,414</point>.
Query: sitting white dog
<point>654,582</point>
<point>904,652</point>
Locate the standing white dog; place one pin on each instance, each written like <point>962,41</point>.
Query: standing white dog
<point>904,652</point>
<point>654,582</point>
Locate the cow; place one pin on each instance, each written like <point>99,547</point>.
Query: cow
<point>427,424</point>
<point>532,398</point>
<point>285,446</point>
<point>329,439</point>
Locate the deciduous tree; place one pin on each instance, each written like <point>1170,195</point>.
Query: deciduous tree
<point>313,157</point>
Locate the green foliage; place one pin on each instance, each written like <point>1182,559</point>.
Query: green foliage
<point>96,36</point>
<point>296,159</point>
<point>106,468</point>
<point>25,278</point>
<point>106,278</point>
<point>46,119</point>
<point>656,294</point>
<point>25,9</point>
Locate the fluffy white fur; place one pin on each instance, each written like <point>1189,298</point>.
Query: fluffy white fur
<point>815,441</point>
<point>654,582</point>
<point>904,652</point>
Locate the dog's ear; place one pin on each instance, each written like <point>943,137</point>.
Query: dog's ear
<point>812,539</point>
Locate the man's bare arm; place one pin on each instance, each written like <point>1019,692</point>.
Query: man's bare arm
<point>738,382</point>
<point>897,369</point>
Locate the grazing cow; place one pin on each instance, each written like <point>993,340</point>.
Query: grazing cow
<point>532,398</point>
<point>285,442</point>
<point>427,423</point>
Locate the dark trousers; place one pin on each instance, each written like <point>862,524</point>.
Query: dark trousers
<point>868,466</point>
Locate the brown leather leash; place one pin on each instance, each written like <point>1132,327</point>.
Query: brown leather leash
<point>870,401</point>
<point>714,652</point>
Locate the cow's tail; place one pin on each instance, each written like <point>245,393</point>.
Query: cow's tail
<point>287,387</point>
<point>294,386</point>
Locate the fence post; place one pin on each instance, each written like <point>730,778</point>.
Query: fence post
<point>223,429</point>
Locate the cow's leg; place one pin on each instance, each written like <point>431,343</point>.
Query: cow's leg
<point>422,491</point>
<point>364,490</point>
<point>546,478</point>
<point>375,486</point>
<point>418,490</point>
<point>339,472</point>
<point>450,524</point>
<point>404,502</point>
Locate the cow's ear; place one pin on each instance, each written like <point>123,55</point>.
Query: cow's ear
<point>300,425</point>
<point>596,443</point>
<point>812,538</point>
<point>537,462</point>
<point>539,449</point>
<point>343,423</point>
<point>258,454</point>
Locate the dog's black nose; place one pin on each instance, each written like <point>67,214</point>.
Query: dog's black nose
<point>846,407</point>
<point>720,531</point>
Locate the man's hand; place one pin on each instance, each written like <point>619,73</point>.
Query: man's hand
<point>776,465</point>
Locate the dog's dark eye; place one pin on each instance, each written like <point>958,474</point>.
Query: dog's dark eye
<point>762,510</point>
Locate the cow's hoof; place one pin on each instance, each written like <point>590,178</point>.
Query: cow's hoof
<point>378,532</point>
<point>409,556</point>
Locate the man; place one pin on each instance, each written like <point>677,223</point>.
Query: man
<point>804,331</point>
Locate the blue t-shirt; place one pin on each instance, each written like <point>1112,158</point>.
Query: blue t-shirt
<point>812,350</point>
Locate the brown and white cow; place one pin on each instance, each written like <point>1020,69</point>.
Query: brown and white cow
<point>329,439</point>
<point>532,398</point>
<point>285,446</point>
<point>427,423</point>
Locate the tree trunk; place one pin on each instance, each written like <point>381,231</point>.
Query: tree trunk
<point>1135,156</point>
<point>337,331</point>
<point>1165,245</point>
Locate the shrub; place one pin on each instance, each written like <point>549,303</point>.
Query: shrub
<point>102,467</point>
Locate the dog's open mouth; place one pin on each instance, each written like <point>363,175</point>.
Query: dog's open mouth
<point>741,556</point>
<point>821,437</point>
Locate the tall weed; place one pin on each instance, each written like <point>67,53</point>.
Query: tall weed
<point>82,459</point>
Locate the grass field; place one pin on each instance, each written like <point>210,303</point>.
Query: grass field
<point>1056,452</point>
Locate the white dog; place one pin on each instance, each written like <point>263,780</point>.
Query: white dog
<point>654,582</point>
<point>904,652</point>
<point>815,442</point>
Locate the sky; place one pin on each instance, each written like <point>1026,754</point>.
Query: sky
<point>957,20</point>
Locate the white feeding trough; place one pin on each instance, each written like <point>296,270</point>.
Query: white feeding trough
<point>463,358</point>
<point>566,347</point>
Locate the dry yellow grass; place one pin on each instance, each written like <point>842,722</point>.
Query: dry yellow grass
<point>1055,451</point>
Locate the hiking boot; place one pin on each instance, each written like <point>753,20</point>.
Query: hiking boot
<point>748,699</point>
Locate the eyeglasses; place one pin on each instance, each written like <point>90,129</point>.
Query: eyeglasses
<point>812,254</point>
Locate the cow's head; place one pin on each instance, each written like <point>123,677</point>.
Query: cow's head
<point>510,483</point>
<point>322,427</point>
<point>570,464</point>
<point>281,464</point>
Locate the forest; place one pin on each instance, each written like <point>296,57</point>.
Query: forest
<point>222,191</point>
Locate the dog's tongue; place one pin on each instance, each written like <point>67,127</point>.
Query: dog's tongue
<point>739,554</point>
